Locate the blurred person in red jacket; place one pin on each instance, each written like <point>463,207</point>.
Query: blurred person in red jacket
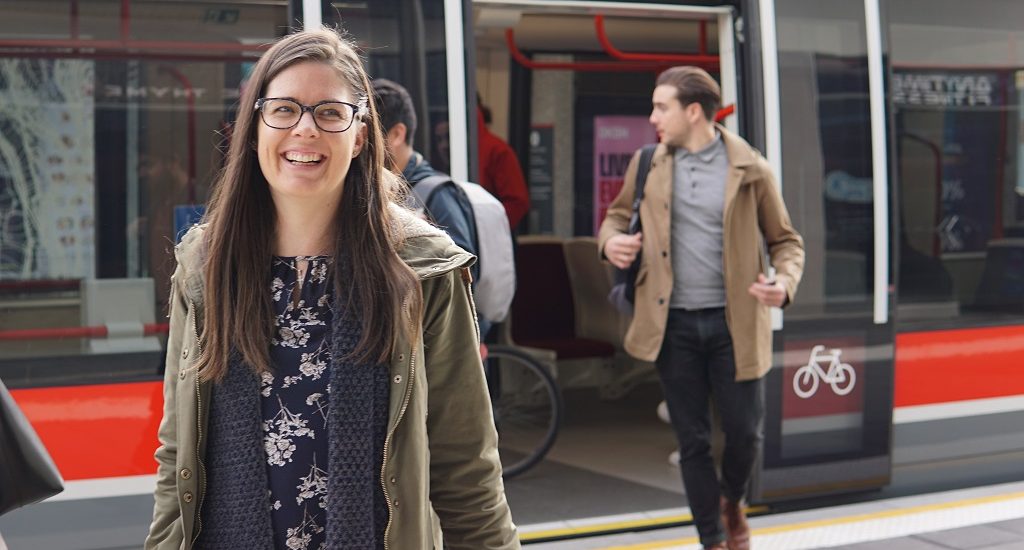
<point>500,172</point>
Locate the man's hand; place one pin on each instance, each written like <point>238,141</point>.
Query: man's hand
<point>621,250</point>
<point>767,291</point>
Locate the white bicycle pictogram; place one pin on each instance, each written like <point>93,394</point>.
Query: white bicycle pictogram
<point>840,376</point>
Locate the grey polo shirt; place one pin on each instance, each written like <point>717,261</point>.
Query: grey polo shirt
<point>698,199</point>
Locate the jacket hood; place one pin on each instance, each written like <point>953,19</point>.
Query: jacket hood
<point>428,250</point>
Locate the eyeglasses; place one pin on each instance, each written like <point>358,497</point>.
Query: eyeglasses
<point>329,116</point>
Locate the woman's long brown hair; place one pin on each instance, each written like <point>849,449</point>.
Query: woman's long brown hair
<point>372,284</point>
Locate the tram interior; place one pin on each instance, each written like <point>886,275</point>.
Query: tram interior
<point>611,440</point>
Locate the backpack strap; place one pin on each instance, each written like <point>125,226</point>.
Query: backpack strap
<point>423,189</point>
<point>642,169</point>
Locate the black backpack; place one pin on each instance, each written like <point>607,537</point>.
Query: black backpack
<point>623,291</point>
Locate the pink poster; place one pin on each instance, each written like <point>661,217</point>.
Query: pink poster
<point>616,138</point>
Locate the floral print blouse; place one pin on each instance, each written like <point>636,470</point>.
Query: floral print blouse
<point>294,400</point>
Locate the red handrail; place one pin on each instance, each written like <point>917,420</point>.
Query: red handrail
<point>118,56</point>
<point>709,61</point>
<point>41,284</point>
<point>582,66</point>
<point>99,331</point>
<point>724,112</point>
<point>132,45</point>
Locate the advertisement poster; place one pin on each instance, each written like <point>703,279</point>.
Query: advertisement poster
<point>616,138</point>
<point>46,169</point>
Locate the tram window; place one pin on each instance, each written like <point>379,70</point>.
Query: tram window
<point>826,152</point>
<point>404,41</point>
<point>106,151</point>
<point>956,89</point>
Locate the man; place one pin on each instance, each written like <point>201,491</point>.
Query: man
<point>448,206</point>
<point>499,170</point>
<point>702,296</point>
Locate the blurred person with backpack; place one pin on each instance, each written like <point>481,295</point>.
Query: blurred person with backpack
<point>472,217</point>
<point>448,207</point>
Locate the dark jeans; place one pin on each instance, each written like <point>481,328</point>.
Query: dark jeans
<point>695,363</point>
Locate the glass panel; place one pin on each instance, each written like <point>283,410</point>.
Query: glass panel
<point>826,150</point>
<point>404,41</point>
<point>820,395</point>
<point>956,89</point>
<point>113,129</point>
<point>110,132</point>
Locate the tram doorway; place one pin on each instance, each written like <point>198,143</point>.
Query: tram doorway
<point>568,87</point>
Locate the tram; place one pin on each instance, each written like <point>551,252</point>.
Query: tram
<point>895,127</point>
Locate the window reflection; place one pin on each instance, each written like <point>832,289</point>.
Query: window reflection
<point>113,129</point>
<point>956,89</point>
<point>826,151</point>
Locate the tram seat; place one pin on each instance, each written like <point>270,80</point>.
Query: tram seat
<point>591,282</point>
<point>544,310</point>
<point>1002,279</point>
<point>124,306</point>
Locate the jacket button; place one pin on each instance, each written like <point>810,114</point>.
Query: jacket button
<point>186,473</point>
<point>401,357</point>
<point>661,301</point>
<point>181,375</point>
<point>394,480</point>
<point>184,353</point>
<point>396,503</point>
<point>398,379</point>
<point>664,254</point>
<point>187,496</point>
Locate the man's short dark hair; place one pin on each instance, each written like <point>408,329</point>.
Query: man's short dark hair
<point>694,85</point>
<point>394,105</point>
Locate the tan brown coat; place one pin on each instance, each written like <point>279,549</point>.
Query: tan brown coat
<point>754,213</point>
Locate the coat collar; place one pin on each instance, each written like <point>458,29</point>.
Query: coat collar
<point>741,155</point>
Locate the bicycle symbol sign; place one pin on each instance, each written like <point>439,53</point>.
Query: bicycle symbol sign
<point>840,376</point>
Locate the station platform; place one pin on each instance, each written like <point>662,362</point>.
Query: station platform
<point>989,517</point>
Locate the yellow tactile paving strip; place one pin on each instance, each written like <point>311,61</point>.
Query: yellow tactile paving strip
<point>885,524</point>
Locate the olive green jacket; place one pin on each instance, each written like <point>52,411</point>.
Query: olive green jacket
<point>754,216</point>
<point>441,475</point>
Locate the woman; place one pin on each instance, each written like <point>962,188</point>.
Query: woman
<point>314,325</point>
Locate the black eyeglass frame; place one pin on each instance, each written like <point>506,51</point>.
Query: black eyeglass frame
<point>357,112</point>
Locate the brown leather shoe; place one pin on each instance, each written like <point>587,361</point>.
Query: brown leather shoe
<point>737,532</point>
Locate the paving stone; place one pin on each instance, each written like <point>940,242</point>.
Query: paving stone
<point>902,543</point>
<point>1014,525</point>
<point>975,536</point>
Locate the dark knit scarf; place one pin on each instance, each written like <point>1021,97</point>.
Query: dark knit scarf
<point>236,509</point>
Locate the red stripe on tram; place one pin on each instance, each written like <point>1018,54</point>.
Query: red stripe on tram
<point>96,431</point>
<point>958,365</point>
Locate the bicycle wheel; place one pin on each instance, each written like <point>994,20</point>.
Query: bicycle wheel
<point>527,408</point>
<point>805,382</point>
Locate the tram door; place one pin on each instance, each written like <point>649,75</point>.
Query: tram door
<point>829,395</point>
